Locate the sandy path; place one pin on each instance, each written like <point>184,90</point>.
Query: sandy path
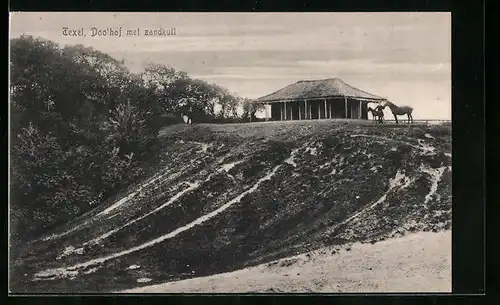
<point>419,262</point>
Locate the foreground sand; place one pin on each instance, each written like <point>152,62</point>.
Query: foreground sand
<point>418,262</point>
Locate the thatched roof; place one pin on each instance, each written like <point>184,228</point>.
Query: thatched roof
<point>322,88</point>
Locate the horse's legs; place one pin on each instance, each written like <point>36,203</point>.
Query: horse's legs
<point>396,118</point>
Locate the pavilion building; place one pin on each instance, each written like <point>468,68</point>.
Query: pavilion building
<point>318,99</point>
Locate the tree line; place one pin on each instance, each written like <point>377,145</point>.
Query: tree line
<point>84,127</point>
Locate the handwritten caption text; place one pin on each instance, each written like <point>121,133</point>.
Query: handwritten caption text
<point>118,32</point>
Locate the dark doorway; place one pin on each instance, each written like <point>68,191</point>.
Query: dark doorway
<point>338,111</point>
<point>275,111</point>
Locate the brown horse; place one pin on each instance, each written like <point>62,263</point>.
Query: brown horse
<point>377,113</point>
<point>400,110</point>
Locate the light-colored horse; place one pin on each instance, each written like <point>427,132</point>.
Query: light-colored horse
<point>377,113</point>
<point>187,119</point>
<point>400,110</point>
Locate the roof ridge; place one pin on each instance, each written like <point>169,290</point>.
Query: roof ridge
<point>319,85</point>
<point>318,80</point>
<point>282,89</point>
<point>363,91</point>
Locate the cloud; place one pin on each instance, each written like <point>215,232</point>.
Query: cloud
<point>363,69</point>
<point>367,66</point>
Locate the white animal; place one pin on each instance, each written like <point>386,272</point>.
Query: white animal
<point>187,119</point>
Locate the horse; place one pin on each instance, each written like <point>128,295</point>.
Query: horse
<point>187,119</point>
<point>400,110</point>
<point>377,113</point>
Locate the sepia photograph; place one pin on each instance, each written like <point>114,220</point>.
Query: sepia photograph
<point>230,152</point>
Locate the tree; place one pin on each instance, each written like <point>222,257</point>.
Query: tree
<point>164,81</point>
<point>250,109</point>
<point>229,104</point>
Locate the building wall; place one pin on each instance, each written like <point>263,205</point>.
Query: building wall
<point>316,110</point>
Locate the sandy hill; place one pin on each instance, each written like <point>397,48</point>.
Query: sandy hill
<point>230,197</point>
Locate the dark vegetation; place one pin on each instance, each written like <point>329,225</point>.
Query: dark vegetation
<point>83,127</point>
<point>301,208</point>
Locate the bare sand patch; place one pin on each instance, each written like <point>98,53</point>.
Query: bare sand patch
<point>418,262</point>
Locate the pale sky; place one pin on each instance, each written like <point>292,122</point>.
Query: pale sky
<point>405,57</point>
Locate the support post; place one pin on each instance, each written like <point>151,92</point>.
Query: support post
<point>319,111</point>
<point>285,111</point>
<point>360,105</point>
<point>330,107</point>
<point>291,111</point>
<point>325,110</point>
<point>300,112</point>
<point>306,109</point>
<point>281,111</point>
<point>345,102</point>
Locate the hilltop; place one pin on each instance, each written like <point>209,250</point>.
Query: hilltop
<point>227,197</point>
